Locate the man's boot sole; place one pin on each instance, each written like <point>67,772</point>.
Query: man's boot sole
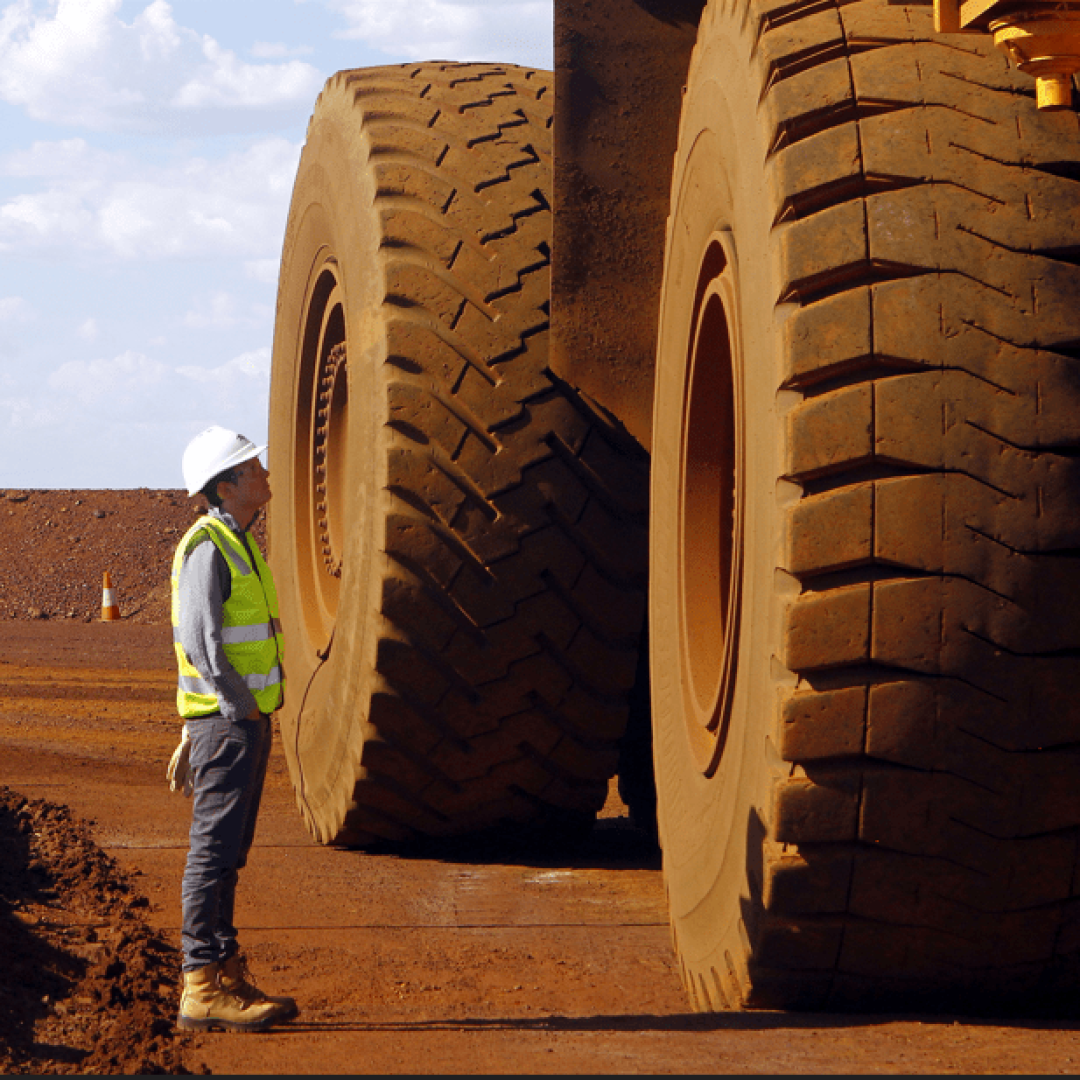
<point>190,1023</point>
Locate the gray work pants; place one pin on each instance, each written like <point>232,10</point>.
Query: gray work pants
<point>228,759</point>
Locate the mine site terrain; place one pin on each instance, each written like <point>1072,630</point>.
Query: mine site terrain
<point>457,959</point>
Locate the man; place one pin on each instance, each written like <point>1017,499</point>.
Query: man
<point>229,653</point>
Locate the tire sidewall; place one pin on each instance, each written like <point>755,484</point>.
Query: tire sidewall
<point>711,826</point>
<point>331,224</point>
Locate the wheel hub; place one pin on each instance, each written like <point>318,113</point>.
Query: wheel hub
<point>710,522</point>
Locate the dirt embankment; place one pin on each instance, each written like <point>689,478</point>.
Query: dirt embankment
<point>55,546</point>
<point>87,986</point>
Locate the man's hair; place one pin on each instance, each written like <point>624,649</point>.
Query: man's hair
<point>210,488</point>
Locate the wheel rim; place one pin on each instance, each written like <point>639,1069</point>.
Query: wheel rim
<point>321,459</point>
<point>710,515</point>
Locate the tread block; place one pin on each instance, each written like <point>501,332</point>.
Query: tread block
<point>829,629</point>
<point>866,23</point>
<point>979,331</point>
<point>828,724</point>
<point>547,551</point>
<point>814,881</point>
<point>816,173</point>
<point>944,625</point>
<point>1024,207</point>
<point>927,520</point>
<point>928,228</point>
<point>941,726</point>
<point>831,532</point>
<point>921,525</point>
<point>799,946</point>
<point>822,810</point>
<point>791,45</point>
<point>813,249</point>
<point>937,72</point>
<point>794,107</point>
<point>828,337</point>
<point>422,482</point>
<point>832,431</point>
<point>922,421</point>
<point>411,229</point>
<point>408,604</point>
<point>936,814</point>
<point>939,897</point>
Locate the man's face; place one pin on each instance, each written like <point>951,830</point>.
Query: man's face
<point>251,491</point>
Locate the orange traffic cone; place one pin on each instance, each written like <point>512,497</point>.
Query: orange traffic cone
<point>109,608</point>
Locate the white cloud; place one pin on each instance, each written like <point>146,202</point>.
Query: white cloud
<point>89,330</point>
<point>225,81</point>
<point>135,388</point>
<point>452,29</point>
<point>122,384</point>
<point>77,62</point>
<point>240,387</point>
<point>133,384</point>
<point>254,365</point>
<point>128,419</point>
<point>223,311</point>
<point>14,309</point>
<point>113,204</point>
<point>26,414</point>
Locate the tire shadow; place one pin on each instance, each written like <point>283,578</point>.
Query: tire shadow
<point>676,1023</point>
<point>611,844</point>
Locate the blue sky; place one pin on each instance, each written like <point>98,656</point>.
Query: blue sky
<point>147,154</point>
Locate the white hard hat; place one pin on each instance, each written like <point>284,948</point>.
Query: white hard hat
<point>213,451</point>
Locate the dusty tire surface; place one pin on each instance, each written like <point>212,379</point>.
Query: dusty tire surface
<point>866,735</point>
<point>458,537</point>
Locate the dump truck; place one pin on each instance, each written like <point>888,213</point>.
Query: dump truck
<point>708,413</point>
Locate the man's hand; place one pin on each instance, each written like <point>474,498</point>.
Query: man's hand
<point>179,771</point>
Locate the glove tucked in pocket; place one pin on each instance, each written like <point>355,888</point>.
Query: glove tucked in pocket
<point>179,771</point>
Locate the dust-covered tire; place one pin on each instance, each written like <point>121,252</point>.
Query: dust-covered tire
<point>457,536</point>
<point>866,680</point>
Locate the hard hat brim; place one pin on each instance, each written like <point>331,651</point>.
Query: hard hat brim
<point>244,454</point>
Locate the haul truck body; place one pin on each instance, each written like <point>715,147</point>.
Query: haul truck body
<point>733,369</point>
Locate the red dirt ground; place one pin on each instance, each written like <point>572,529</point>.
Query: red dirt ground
<point>454,961</point>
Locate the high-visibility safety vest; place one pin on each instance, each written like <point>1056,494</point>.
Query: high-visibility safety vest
<point>251,631</point>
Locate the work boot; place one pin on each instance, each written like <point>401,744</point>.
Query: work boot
<point>205,1005</point>
<point>236,978</point>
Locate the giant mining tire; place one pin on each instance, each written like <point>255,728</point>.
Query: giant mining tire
<point>458,537</point>
<point>864,624</point>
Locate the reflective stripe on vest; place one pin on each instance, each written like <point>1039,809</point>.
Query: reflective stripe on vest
<point>233,635</point>
<point>251,634</point>
<point>193,684</point>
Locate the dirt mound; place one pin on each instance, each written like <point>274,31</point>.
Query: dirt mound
<point>88,987</point>
<point>55,545</point>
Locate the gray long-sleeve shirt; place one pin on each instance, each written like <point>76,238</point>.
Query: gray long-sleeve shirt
<point>205,584</point>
